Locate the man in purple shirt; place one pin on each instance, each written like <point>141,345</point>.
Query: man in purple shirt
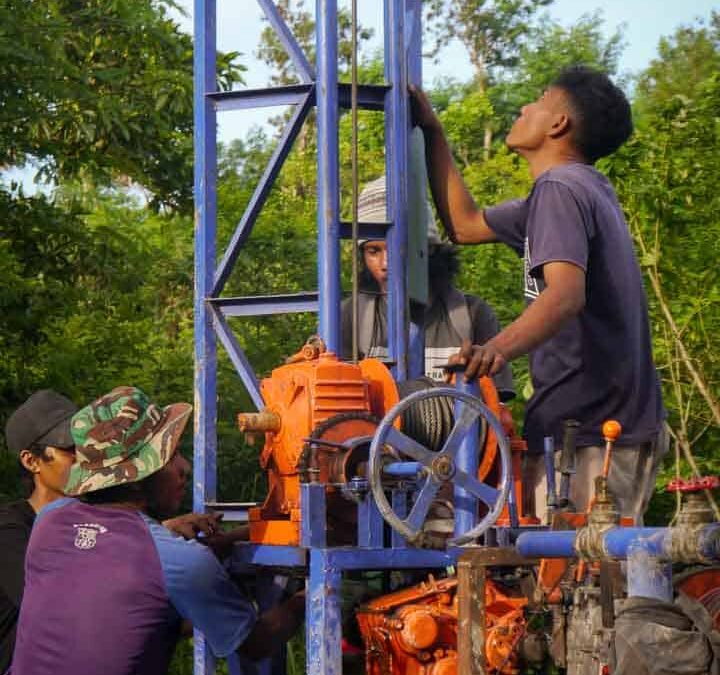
<point>586,325</point>
<point>107,587</point>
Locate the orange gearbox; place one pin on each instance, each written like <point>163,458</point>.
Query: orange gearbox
<point>319,418</point>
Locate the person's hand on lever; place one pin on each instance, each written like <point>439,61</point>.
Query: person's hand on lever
<point>479,360</point>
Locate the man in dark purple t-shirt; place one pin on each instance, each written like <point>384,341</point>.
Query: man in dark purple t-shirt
<point>585,326</point>
<point>107,586</point>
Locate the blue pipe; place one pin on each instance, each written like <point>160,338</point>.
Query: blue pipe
<point>551,545</point>
<point>402,469</point>
<point>648,576</point>
<point>617,541</point>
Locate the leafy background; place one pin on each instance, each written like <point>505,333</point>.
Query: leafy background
<point>97,263</point>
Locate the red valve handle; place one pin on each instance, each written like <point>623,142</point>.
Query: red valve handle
<point>694,484</point>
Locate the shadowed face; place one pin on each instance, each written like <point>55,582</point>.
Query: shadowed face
<point>375,256</point>
<point>51,469</point>
<point>167,486</point>
<point>539,121</point>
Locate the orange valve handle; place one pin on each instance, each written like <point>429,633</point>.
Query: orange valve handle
<point>611,431</point>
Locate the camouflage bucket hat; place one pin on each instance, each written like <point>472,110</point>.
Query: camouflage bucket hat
<point>122,437</point>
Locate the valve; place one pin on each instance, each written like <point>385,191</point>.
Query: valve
<point>696,509</point>
<point>436,468</point>
<point>693,484</point>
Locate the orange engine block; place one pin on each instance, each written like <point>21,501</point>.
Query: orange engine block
<point>414,631</point>
<point>320,414</point>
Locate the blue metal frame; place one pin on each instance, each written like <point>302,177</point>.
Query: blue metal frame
<point>322,89</point>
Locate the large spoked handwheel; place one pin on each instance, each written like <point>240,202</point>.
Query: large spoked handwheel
<point>437,468</point>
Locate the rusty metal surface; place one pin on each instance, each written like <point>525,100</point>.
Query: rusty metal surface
<point>472,577</point>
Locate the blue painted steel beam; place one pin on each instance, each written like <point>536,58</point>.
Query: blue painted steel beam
<point>345,558</point>
<point>396,162</point>
<point>466,459</point>
<point>295,52</point>
<point>413,46</point>
<point>205,384</point>
<point>243,99</point>
<point>263,305</point>
<point>380,559</point>
<point>242,232</point>
<point>270,556</point>
<point>399,506</point>
<point>313,532</point>
<point>328,179</point>
<point>370,231</point>
<point>236,512</point>
<point>323,630</point>
<point>370,96</point>
<point>371,525</point>
<point>239,361</point>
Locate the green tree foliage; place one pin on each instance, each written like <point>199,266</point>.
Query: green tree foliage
<point>96,94</point>
<point>96,287</point>
<point>100,89</point>
<point>686,59</point>
<point>667,180</point>
<point>493,31</point>
<point>549,48</point>
<point>302,25</point>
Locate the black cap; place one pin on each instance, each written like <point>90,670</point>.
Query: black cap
<point>43,419</point>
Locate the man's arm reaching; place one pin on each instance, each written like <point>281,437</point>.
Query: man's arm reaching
<point>463,221</point>
<point>563,298</point>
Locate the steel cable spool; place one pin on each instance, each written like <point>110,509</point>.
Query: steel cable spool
<point>430,421</point>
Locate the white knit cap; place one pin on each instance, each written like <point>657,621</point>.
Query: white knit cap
<point>372,208</point>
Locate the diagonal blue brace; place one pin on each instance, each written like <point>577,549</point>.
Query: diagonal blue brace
<point>238,359</point>
<point>295,52</point>
<point>242,232</point>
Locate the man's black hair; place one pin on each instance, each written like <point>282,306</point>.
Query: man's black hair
<point>603,118</point>
<point>27,477</point>
<point>443,267</point>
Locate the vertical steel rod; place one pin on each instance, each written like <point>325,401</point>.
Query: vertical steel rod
<point>328,187</point>
<point>413,29</point>
<point>205,384</point>
<point>396,161</point>
<point>354,161</point>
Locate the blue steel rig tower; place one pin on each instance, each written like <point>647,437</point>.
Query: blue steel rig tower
<point>319,87</point>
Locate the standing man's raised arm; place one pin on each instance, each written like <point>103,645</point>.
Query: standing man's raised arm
<point>460,215</point>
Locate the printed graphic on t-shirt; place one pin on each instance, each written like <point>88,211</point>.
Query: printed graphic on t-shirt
<point>380,353</point>
<point>435,358</point>
<point>86,535</point>
<point>533,286</point>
